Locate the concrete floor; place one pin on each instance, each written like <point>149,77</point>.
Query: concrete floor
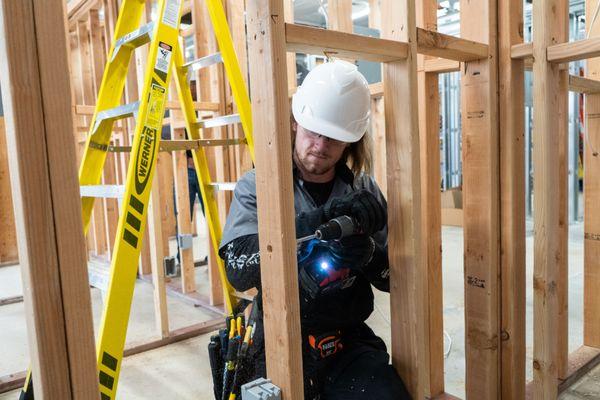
<point>181,370</point>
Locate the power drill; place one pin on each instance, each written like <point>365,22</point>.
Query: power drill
<point>336,228</point>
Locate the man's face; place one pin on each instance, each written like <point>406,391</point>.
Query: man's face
<point>317,154</point>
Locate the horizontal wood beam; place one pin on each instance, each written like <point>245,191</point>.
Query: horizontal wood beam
<point>12,381</point>
<point>574,51</point>
<point>580,84</point>
<point>78,10</point>
<point>310,40</point>
<point>437,44</point>
<point>522,51</point>
<point>441,65</point>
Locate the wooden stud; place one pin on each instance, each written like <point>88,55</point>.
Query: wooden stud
<point>408,271</point>
<point>512,194</point>
<point>339,16</point>
<point>37,99</point>
<point>437,44</point>
<point>184,220</point>
<point>591,193</point>
<point>481,198</point>
<point>547,24</point>
<point>8,235</point>
<point>291,57</point>
<point>429,130</point>
<point>309,40</point>
<point>89,97</point>
<point>274,188</point>
<point>206,79</point>
<point>565,51</point>
<point>579,84</point>
<point>110,206</point>
<point>157,256</point>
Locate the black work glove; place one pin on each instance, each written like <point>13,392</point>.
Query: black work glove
<point>363,206</point>
<point>354,252</point>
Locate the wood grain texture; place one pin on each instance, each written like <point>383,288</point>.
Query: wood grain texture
<point>305,39</point>
<point>547,22</point>
<point>429,127</point>
<point>591,193</point>
<point>512,195</point>
<point>268,79</point>
<point>437,44</point>
<point>36,96</point>
<point>8,233</point>
<point>408,271</point>
<point>481,202</point>
<point>564,52</point>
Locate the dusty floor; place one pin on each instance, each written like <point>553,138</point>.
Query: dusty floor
<point>181,371</point>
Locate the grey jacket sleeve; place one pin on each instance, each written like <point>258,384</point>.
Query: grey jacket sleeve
<point>242,219</point>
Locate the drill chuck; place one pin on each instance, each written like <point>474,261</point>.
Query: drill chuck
<point>337,228</point>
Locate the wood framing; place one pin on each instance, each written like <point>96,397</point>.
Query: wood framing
<point>511,86</point>
<point>408,271</point>
<point>481,201</point>
<point>274,188</point>
<point>8,234</point>
<point>591,179</point>
<point>547,26</point>
<point>449,47</point>
<point>429,132</point>
<point>37,98</point>
<point>305,39</point>
<point>574,51</point>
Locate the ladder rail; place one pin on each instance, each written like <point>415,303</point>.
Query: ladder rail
<point>109,96</point>
<point>140,172</point>
<point>232,69</point>
<point>201,164</point>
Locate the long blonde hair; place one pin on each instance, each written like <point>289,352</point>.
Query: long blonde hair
<point>358,156</point>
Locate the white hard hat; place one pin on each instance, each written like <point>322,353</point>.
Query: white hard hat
<point>334,101</point>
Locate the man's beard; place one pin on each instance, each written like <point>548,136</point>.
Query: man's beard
<point>311,167</point>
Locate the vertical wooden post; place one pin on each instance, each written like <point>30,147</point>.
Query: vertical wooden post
<point>377,114</point>
<point>547,25</point>
<point>37,99</point>
<point>89,98</point>
<point>429,130</point>
<point>157,256</point>
<point>339,15</point>
<point>591,181</point>
<point>8,234</point>
<point>206,79</point>
<point>408,275</point>
<point>480,152</point>
<point>291,57</point>
<point>274,188</point>
<point>511,89</point>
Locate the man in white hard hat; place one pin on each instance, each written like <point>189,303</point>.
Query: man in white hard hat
<point>342,357</point>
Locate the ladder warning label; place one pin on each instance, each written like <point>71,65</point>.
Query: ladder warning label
<point>156,106</point>
<point>171,15</point>
<point>163,57</point>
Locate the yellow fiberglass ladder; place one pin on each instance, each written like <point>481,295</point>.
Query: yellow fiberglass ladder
<point>164,55</point>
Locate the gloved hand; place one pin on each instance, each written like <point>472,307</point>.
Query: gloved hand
<point>353,252</point>
<point>363,206</point>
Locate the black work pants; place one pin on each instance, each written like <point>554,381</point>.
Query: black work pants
<point>361,371</point>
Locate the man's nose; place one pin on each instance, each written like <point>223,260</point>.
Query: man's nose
<point>321,142</point>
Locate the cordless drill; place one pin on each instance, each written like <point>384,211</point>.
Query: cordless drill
<point>336,228</point>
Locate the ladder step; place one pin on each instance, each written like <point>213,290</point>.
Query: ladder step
<point>119,112</point>
<point>223,186</point>
<point>102,191</point>
<point>218,121</point>
<point>203,62</point>
<point>136,38</point>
